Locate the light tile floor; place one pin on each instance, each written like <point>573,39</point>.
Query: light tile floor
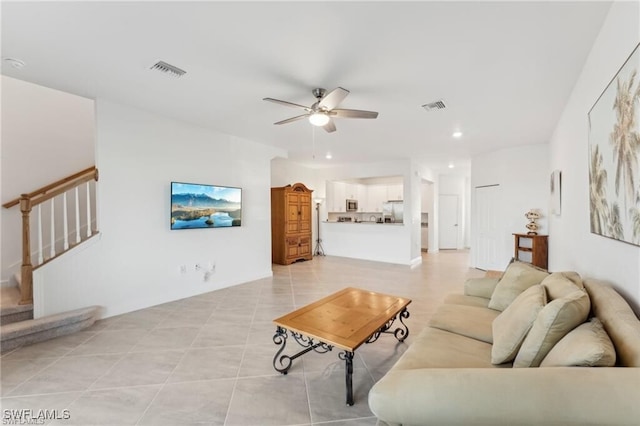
<point>207,360</point>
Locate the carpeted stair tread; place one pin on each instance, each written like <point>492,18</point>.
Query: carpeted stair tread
<point>36,330</point>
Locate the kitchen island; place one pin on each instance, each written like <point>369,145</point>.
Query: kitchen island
<point>382,242</point>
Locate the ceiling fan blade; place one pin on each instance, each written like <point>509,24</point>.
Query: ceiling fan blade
<point>292,119</point>
<point>353,113</point>
<point>330,126</point>
<point>333,98</point>
<point>285,103</point>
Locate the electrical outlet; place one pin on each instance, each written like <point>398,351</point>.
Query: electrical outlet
<point>183,269</point>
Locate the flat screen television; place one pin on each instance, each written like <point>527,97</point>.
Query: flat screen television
<point>196,206</point>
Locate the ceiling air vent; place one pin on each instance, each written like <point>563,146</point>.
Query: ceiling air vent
<point>433,106</point>
<point>167,69</point>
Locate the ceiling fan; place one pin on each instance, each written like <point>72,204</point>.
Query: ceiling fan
<point>324,109</point>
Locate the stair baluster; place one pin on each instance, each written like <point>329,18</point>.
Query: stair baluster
<point>65,223</point>
<point>40,249</point>
<point>77,216</point>
<point>52,231</point>
<point>88,209</point>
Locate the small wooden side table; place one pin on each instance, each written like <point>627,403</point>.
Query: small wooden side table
<point>539,249</point>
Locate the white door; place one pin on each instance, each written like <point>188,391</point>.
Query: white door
<point>487,199</point>
<point>448,220</point>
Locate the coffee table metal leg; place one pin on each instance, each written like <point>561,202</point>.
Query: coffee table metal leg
<point>399,333</point>
<point>280,338</point>
<point>348,358</point>
<point>282,363</point>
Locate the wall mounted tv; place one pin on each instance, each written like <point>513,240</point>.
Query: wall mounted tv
<point>196,206</point>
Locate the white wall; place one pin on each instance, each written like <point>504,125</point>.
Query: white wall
<point>523,175</point>
<point>136,262</point>
<point>572,246</point>
<point>46,135</point>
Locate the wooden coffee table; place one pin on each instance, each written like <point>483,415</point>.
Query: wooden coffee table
<point>346,320</point>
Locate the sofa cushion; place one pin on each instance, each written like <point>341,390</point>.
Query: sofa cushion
<point>518,277</point>
<point>512,325</point>
<point>618,319</point>
<point>587,345</point>
<point>481,287</point>
<point>435,348</point>
<point>470,321</point>
<point>463,299</point>
<point>560,284</point>
<point>554,321</point>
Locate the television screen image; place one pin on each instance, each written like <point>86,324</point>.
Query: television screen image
<point>196,206</point>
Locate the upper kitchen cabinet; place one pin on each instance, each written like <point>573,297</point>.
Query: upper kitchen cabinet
<point>336,196</point>
<point>370,193</point>
<point>376,196</point>
<point>395,192</point>
<point>351,191</point>
<point>363,198</point>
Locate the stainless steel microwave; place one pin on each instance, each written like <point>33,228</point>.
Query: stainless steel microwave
<point>352,205</point>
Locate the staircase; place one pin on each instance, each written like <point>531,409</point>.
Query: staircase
<point>27,331</point>
<point>63,232</point>
<point>10,309</point>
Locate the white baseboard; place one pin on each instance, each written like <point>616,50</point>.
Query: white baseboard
<point>6,284</point>
<point>416,262</point>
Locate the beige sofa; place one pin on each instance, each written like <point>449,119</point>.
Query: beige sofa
<point>447,377</point>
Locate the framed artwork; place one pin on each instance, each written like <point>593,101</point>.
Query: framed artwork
<point>614,156</point>
<point>555,190</point>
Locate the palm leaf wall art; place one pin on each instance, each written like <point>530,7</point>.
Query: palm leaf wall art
<point>614,156</point>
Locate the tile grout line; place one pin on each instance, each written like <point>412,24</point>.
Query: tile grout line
<point>161,388</point>
<point>184,354</point>
<point>244,351</point>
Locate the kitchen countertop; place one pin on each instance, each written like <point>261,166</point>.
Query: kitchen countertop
<point>365,222</point>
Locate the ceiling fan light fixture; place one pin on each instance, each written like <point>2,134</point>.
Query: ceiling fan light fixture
<point>318,119</point>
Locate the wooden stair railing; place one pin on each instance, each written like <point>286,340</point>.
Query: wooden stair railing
<point>35,199</point>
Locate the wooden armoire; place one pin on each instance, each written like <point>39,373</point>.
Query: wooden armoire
<point>291,224</point>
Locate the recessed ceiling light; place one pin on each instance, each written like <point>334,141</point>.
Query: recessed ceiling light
<point>457,134</point>
<point>328,156</point>
<point>451,166</point>
<point>14,63</point>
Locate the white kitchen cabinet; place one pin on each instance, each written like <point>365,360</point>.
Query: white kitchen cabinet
<point>328,201</point>
<point>362,197</point>
<point>376,196</point>
<point>394,192</point>
<point>351,191</point>
<point>339,197</point>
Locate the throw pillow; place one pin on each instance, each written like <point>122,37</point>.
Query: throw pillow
<point>554,321</point>
<point>518,277</point>
<point>588,345</point>
<point>560,284</point>
<point>512,325</point>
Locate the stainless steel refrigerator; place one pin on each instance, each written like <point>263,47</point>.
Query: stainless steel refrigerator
<point>392,211</point>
